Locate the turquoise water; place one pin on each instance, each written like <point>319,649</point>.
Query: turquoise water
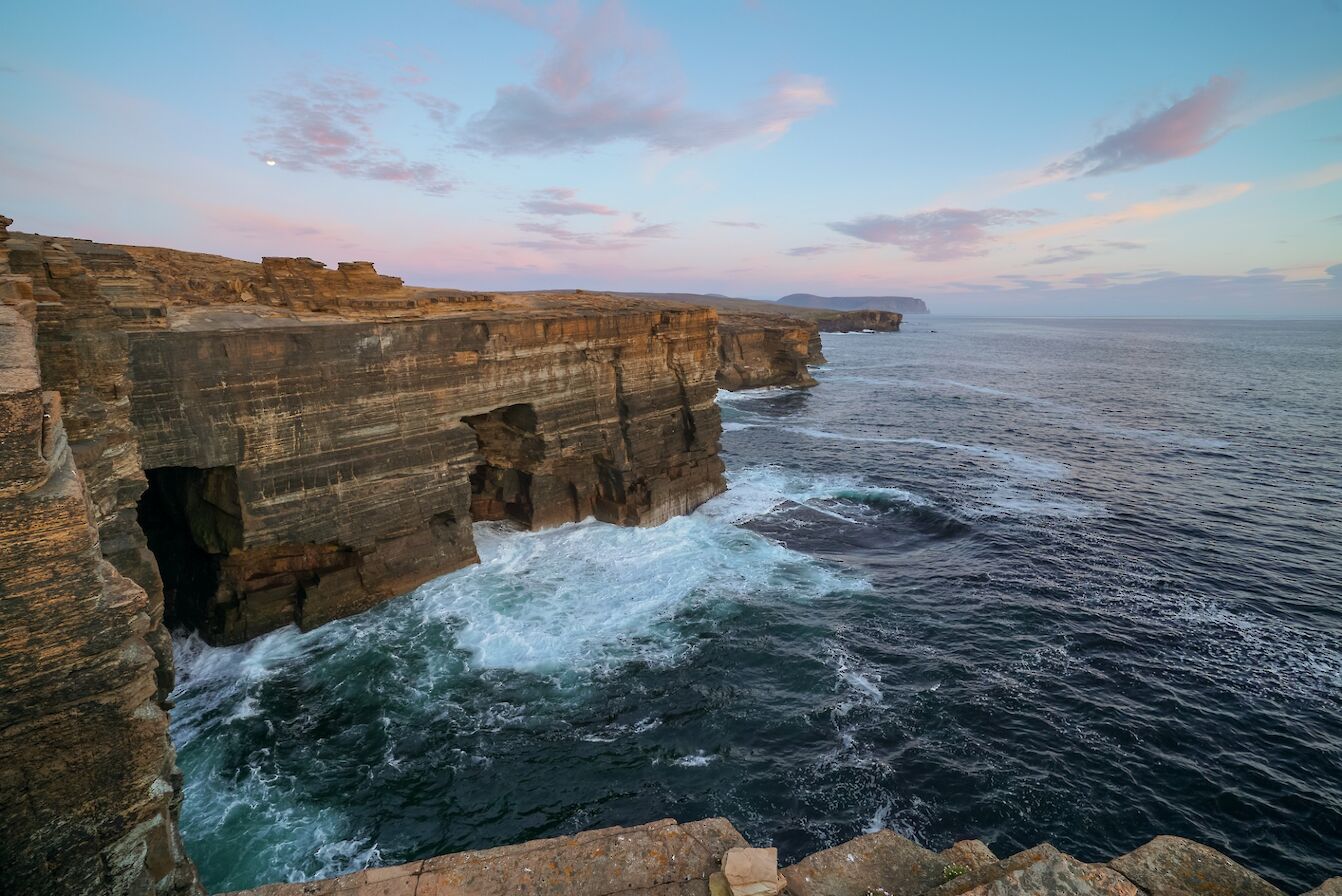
<point>1021,580</point>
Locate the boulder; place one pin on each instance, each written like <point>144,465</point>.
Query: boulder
<point>1041,870</point>
<point>1173,866</point>
<point>883,862</point>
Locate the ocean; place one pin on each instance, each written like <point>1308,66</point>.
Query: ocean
<point>1021,580</point>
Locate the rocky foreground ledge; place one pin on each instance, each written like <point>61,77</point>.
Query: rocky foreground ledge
<point>711,858</point>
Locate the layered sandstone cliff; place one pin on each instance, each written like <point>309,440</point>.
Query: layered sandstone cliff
<point>858,321</point>
<point>316,441</point>
<point>88,785</point>
<point>192,440</point>
<point>758,350</point>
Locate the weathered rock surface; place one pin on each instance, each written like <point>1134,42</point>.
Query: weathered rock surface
<point>879,862</point>
<point>1331,887</point>
<point>858,321</point>
<point>1041,870</point>
<point>88,784</point>
<point>1173,866</point>
<point>658,859</point>
<point>318,440</point>
<point>758,350</point>
<point>967,854</point>
<point>669,859</point>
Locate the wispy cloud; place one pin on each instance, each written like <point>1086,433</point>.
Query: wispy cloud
<point>560,236</point>
<point>1061,254</point>
<point>1325,174</point>
<point>1181,129</point>
<point>561,201</point>
<point>329,124</point>
<point>808,251</point>
<point>939,235</point>
<point>1149,210</point>
<point>441,110</point>
<point>608,79</point>
<point>651,231</point>
<point>753,225</point>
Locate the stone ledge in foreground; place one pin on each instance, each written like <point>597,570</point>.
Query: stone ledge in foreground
<point>666,858</point>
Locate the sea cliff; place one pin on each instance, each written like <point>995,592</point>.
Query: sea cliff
<point>231,446</point>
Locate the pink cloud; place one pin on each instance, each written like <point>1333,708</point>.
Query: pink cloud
<point>938,235</point>
<point>328,124</point>
<point>1184,128</point>
<point>561,201</point>
<point>608,79</point>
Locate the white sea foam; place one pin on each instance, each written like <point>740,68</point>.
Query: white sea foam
<point>726,397</point>
<point>757,491</point>
<point>698,759</point>
<point>1033,467</point>
<point>585,597</point>
<point>735,426</point>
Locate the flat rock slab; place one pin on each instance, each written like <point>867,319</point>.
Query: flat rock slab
<point>1173,866</point>
<point>883,863</point>
<point>1038,871</point>
<point>662,858</point>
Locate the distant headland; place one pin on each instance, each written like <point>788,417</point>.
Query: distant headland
<point>902,304</point>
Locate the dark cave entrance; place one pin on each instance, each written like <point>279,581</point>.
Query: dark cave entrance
<point>191,517</point>
<point>510,449</point>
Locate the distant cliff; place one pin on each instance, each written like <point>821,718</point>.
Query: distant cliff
<point>902,304</point>
<point>768,344</point>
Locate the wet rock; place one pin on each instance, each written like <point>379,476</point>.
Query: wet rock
<point>1173,866</point>
<point>879,863</point>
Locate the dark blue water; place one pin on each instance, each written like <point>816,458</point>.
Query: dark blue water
<point>1075,581</point>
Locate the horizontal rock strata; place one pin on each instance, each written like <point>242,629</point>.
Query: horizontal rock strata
<point>315,441</point>
<point>758,350</point>
<point>665,858</point>
<point>859,321</point>
<point>88,784</point>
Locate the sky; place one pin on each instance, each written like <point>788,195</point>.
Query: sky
<point>1167,159</point>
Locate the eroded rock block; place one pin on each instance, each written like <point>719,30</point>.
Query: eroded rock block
<point>752,871</point>
<point>1041,870</point>
<point>883,862</point>
<point>1173,866</point>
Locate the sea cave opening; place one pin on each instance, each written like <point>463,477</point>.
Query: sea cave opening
<point>191,517</point>
<point>510,449</point>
